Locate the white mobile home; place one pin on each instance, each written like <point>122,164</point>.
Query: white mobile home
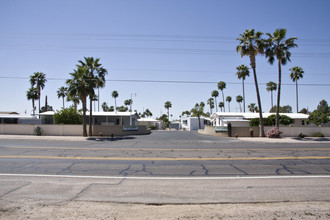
<point>191,123</point>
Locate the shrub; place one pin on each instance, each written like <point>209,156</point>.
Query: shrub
<point>318,134</point>
<point>68,116</point>
<point>301,135</point>
<point>38,131</point>
<point>274,133</point>
<point>152,127</point>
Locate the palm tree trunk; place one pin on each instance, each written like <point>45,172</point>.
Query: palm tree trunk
<point>199,122</point>
<point>90,130</point>
<point>33,107</point>
<point>243,95</point>
<point>39,94</point>
<point>297,95</point>
<point>83,100</point>
<point>261,131</point>
<point>216,104</point>
<point>229,106</point>
<point>278,94</point>
<point>63,102</point>
<point>115,105</point>
<point>271,97</point>
<point>223,99</point>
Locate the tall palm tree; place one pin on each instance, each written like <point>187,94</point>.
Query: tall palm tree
<point>239,99</point>
<point>278,47</point>
<point>115,96</point>
<point>215,94</point>
<point>296,74</point>
<point>271,86</point>
<point>79,85</point>
<point>32,94</point>
<point>210,102</point>
<point>97,80</point>
<point>228,99</point>
<point>61,93</point>
<point>251,44</point>
<point>222,86</point>
<point>242,72</point>
<point>128,102</point>
<point>198,111</point>
<point>168,105</point>
<point>221,105</point>
<point>38,79</point>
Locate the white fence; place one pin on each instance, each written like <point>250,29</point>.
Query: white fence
<point>53,130</point>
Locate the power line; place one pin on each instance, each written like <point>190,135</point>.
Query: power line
<point>174,81</point>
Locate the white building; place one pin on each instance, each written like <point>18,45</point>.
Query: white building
<point>238,119</point>
<point>150,122</point>
<point>191,123</point>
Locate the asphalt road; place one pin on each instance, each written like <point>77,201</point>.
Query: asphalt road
<point>164,167</point>
<point>184,154</point>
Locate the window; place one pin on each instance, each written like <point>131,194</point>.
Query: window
<point>185,122</point>
<point>303,122</point>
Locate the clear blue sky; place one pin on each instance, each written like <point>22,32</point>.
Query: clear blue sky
<point>186,40</point>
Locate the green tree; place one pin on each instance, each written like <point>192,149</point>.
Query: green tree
<point>68,116</point>
<point>221,87</point>
<point>323,107</point>
<point>78,85</point>
<point>38,79</point>
<point>128,102</point>
<point>168,105</point>
<point>221,105</point>
<point>198,111</point>
<point>278,47</point>
<point>317,118</point>
<point>187,113</point>
<point>215,94</point>
<point>32,94</point>
<point>147,113</point>
<point>253,108</point>
<point>96,74</point>
<point>296,74</point>
<point>74,98</point>
<point>239,100</point>
<point>251,44</point>
<point>228,99</point>
<point>282,109</point>
<point>115,96</point>
<point>164,120</point>
<point>242,73</point>
<point>210,102</point>
<point>61,93</point>
<point>271,86</point>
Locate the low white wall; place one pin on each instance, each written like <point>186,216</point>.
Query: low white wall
<point>52,130</point>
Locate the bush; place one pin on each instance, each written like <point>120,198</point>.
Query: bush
<point>152,127</point>
<point>318,134</point>
<point>271,120</point>
<point>274,133</point>
<point>38,131</point>
<point>68,116</point>
<point>301,135</point>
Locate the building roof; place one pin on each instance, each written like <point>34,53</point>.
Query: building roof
<point>148,119</point>
<point>51,113</point>
<point>17,116</point>
<point>249,115</point>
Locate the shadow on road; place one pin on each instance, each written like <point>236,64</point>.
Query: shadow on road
<point>109,138</point>
<point>312,139</point>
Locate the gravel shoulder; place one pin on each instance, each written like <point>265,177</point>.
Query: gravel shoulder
<point>104,210</point>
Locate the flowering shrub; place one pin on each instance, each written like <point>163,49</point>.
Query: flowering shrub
<point>274,133</point>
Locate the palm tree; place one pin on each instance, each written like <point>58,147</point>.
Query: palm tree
<point>251,44</point>
<point>74,98</point>
<point>271,86</point>
<point>228,99</point>
<point>239,99</point>
<point>79,85</point>
<point>168,105</point>
<point>128,102</point>
<point>61,93</point>
<point>222,86</point>
<point>210,102</point>
<point>115,96</point>
<point>296,74</point>
<point>38,79</point>
<point>198,111</point>
<point>252,107</point>
<point>97,80</point>
<point>32,94</point>
<point>242,72</point>
<point>277,47</point>
<point>221,105</point>
<point>215,94</point>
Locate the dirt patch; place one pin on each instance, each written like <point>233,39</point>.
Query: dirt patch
<point>104,210</point>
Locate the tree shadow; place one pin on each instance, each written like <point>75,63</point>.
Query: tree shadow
<point>110,138</point>
<point>312,139</point>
